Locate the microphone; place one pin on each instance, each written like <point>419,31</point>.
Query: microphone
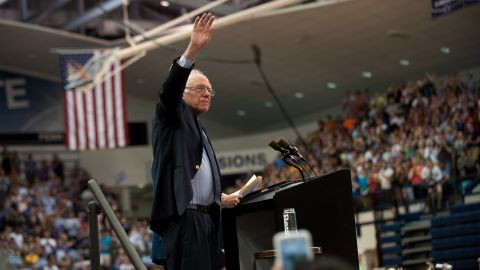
<point>292,149</point>
<point>275,146</point>
<point>286,156</point>
<point>294,152</point>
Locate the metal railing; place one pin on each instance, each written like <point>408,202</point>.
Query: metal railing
<point>93,211</point>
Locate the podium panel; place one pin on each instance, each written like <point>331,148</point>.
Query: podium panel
<point>323,205</point>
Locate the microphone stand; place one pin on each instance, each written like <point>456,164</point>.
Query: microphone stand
<point>299,162</point>
<point>310,166</point>
<point>288,162</point>
<point>295,155</point>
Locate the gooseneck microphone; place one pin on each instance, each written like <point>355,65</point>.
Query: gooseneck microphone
<point>294,152</point>
<point>275,146</point>
<point>287,157</point>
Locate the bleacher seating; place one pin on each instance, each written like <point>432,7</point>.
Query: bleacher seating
<point>390,240</point>
<point>416,246</point>
<point>456,237</point>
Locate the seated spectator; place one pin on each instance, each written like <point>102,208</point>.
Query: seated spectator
<point>51,263</point>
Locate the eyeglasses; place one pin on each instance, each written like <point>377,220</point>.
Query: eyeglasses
<point>201,89</point>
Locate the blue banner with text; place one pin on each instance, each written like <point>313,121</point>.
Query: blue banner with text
<point>29,104</point>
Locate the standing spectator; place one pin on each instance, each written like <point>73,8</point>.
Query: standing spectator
<point>48,242</point>
<point>4,186</point>
<point>402,191</point>
<point>105,248</point>
<point>374,185</point>
<point>17,236</point>
<point>355,184</point>
<point>415,178</point>
<point>72,223</point>
<point>48,201</point>
<point>470,85</point>
<point>445,156</point>
<point>362,176</point>
<point>136,238</point>
<point>385,176</point>
<point>329,124</point>
<point>467,162</point>
<point>359,104</point>
<point>62,249</point>
<point>44,171</point>
<point>6,161</point>
<point>433,176</point>
<point>122,262</point>
<point>57,167</point>
<point>30,170</point>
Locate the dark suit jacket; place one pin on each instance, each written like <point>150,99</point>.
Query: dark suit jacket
<point>177,150</point>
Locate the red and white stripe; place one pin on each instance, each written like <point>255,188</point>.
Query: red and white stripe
<point>97,119</point>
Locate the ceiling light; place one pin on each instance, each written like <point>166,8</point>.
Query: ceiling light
<point>331,85</point>
<point>404,62</point>
<point>367,74</point>
<point>241,113</point>
<point>299,95</point>
<point>445,50</point>
<point>268,104</point>
<point>164,3</point>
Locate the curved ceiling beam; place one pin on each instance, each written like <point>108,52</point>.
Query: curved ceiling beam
<point>92,14</point>
<point>39,16</point>
<point>222,10</point>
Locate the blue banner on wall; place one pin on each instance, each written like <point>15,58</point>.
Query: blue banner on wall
<point>29,104</point>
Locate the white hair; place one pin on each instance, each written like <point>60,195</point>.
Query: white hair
<point>193,72</point>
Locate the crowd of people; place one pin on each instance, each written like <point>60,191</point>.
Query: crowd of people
<point>44,223</point>
<point>415,140</point>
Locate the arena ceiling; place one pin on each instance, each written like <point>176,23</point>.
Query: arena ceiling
<point>306,50</point>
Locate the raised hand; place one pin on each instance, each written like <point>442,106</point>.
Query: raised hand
<point>201,34</point>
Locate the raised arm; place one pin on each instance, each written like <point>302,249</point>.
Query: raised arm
<point>174,85</point>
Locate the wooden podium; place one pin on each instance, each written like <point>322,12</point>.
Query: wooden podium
<point>323,205</point>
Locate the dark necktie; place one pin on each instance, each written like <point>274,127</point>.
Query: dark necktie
<point>213,165</point>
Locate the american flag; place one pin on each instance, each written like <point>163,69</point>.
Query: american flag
<point>95,118</point>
